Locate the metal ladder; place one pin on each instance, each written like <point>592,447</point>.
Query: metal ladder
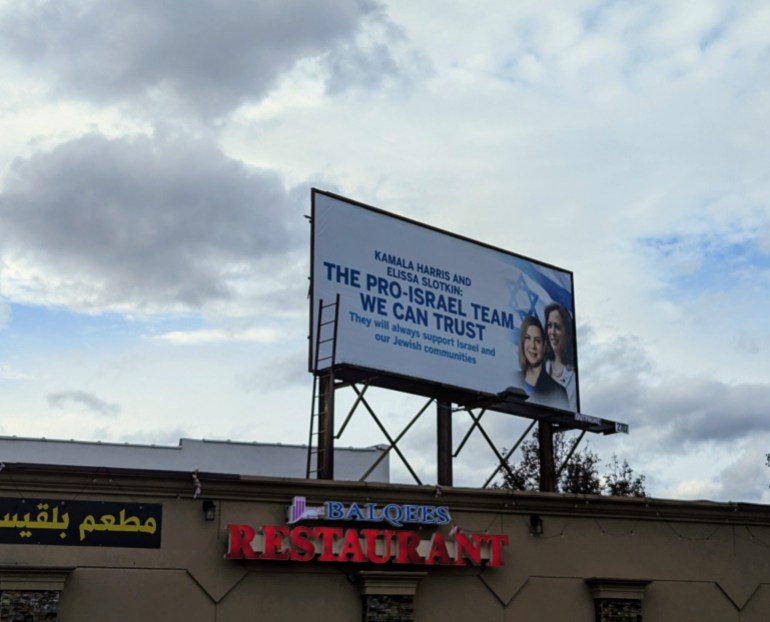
<point>325,351</point>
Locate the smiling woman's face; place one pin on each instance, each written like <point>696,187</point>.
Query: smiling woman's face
<point>534,348</point>
<point>555,330</point>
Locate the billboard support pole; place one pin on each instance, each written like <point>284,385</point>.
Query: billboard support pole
<point>444,442</point>
<point>545,443</point>
<point>326,427</point>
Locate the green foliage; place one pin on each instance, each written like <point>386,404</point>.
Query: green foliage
<point>620,480</point>
<point>580,474</point>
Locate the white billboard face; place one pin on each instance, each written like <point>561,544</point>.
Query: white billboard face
<point>425,304</point>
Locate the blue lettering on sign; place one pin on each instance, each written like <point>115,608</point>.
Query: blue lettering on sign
<point>393,513</point>
<point>354,512</point>
<point>334,510</point>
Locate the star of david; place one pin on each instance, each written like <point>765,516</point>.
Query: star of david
<point>521,296</point>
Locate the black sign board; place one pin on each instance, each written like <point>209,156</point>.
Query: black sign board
<point>80,523</point>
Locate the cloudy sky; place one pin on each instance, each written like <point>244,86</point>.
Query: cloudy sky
<point>155,170</point>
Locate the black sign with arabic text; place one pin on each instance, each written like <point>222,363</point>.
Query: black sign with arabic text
<point>80,523</point>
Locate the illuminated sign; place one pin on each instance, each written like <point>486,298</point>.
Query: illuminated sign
<point>80,523</point>
<point>425,304</point>
<point>376,546</point>
<point>395,514</point>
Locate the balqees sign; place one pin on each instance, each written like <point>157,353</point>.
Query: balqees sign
<point>389,538</point>
<point>422,303</point>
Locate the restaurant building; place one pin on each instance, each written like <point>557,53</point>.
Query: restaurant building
<point>93,542</point>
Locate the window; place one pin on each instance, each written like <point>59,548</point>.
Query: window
<point>617,600</point>
<point>385,607</point>
<point>388,595</point>
<point>29,605</point>
<point>618,610</point>
<point>31,594</point>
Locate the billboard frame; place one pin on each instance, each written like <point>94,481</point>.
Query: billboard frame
<point>512,401</point>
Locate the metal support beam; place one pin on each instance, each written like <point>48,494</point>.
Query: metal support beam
<point>392,443</point>
<point>476,424</point>
<point>504,464</point>
<point>500,460</point>
<point>444,442</point>
<point>571,453</point>
<point>545,442</point>
<point>326,427</point>
<point>360,396</point>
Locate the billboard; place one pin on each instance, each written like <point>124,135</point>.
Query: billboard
<point>422,303</point>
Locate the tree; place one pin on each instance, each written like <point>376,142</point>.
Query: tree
<point>620,481</point>
<point>580,474</point>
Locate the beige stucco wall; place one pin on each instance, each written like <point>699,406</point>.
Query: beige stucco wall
<point>700,561</point>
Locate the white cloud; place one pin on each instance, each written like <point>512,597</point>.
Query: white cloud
<point>82,400</point>
<point>143,223</point>
<point>624,142</point>
<point>197,337</point>
<point>694,489</point>
<point>205,62</point>
<point>10,374</point>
